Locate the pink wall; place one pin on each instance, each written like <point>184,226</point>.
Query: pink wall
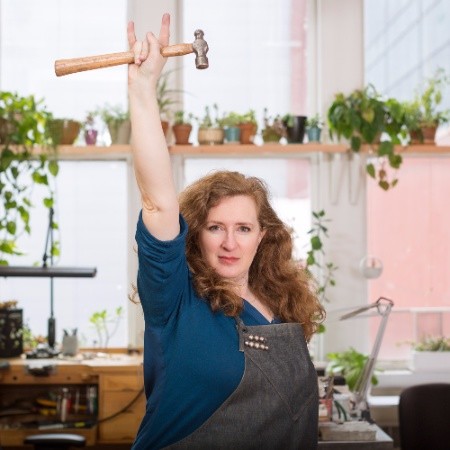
<point>409,230</point>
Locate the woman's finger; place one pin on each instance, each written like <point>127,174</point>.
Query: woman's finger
<point>131,34</point>
<point>153,45</point>
<point>164,33</point>
<point>144,50</point>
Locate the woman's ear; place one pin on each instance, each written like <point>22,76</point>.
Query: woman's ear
<point>261,235</point>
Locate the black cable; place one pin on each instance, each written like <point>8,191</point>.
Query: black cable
<point>121,411</point>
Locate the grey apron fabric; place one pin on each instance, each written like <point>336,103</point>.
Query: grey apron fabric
<point>275,406</point>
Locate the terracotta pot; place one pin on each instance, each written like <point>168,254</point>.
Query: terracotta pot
<point>211,136</point>
<point>425,135</point>
<point>165,126</point>
<point>182,132</point>
<point>248,131</point>
<point>120,132</point>
<point>64,131</point>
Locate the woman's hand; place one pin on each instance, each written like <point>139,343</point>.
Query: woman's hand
<point>148,62</point>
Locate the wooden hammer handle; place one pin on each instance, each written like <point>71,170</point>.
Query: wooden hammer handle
<point>74,65</point>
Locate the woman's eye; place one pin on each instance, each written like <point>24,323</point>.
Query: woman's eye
<point>244,229</point>
<point>214,228</point>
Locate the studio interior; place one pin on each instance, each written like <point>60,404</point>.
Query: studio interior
<point>340,106</point>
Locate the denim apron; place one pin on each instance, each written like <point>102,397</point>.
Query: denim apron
<point>275,406</point>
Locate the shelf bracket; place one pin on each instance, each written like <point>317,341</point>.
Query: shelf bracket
<point>336,175</point>
<point>356,174</point>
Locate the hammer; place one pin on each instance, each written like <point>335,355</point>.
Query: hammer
<point>74,65</point>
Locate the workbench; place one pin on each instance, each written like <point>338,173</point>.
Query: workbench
<point>118,405</point>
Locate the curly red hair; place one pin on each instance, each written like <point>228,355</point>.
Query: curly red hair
<point>274,277</point>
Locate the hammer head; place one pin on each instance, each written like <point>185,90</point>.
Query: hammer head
<point>200,47</point>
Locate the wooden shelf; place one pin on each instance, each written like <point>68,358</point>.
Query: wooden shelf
<point>115,152</point>
<point>265,149</point>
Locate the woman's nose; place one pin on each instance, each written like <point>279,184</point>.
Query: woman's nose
<point>229,241</point>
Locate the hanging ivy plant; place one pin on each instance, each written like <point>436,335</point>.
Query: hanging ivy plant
<point>363,117</point>
<point>28,157</point>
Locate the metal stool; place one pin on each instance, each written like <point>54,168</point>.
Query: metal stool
<point>57,441</point>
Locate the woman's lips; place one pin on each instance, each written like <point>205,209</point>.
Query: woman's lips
<point>228,259</point>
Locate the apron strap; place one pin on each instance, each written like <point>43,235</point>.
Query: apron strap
<point>242,330</point>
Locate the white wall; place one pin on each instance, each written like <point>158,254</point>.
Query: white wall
<point>341,178</point>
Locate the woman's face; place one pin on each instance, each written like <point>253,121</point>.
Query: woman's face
<point>230,237</point>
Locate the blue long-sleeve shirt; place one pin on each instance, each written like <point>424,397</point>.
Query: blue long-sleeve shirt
<point>191,358</point>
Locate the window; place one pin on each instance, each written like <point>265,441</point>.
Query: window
<point>408,229</point>
<point>258,56</point>
<point>266,67</point>
<point>92,220</point>
<point>91,206</point>
<point>408,226</point>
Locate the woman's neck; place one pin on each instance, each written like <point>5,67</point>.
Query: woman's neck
<point>258,304</point>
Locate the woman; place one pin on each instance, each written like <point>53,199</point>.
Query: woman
<point>220,294</point>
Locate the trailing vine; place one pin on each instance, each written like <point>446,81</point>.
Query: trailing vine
<point>28,157</point>
<point>316,253</point>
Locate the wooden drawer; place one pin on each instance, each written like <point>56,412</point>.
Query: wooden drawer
<point>121,382</point>
<point>124,427</point>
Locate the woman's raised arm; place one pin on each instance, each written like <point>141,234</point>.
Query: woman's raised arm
<point>150,153</point>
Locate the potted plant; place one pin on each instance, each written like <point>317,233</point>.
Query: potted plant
<point>248,126</point>
<point>117,119</point>
<point>295,128</point>
<point>28,157</point>
<point>274,128</point>
<point>64,131</point>
<point>314,125</point>
<point>210,132</point>
<point>364,117</point>
<point>423,115</point>
<point>106,324</point>
<point>230,122</point>
<point>90,129</point>
<point>182,127</point>
<point>165,98</point>
<point>350,364</point>
<point>431,354</point>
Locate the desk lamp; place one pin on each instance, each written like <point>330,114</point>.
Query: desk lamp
<point>48,272</point>
<point>359,402</point>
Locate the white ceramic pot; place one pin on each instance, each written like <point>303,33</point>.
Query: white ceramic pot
<point>210,136</point>
<point>430,361</point>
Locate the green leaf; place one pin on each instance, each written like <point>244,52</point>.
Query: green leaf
<point>355,143</point>
<point>370,168</point>
<point>385,148</point>
<point>383,185</point>
<point>48,202</point>
<point>316,243</point>
<point>53,167</point>
<point>11,227</point>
